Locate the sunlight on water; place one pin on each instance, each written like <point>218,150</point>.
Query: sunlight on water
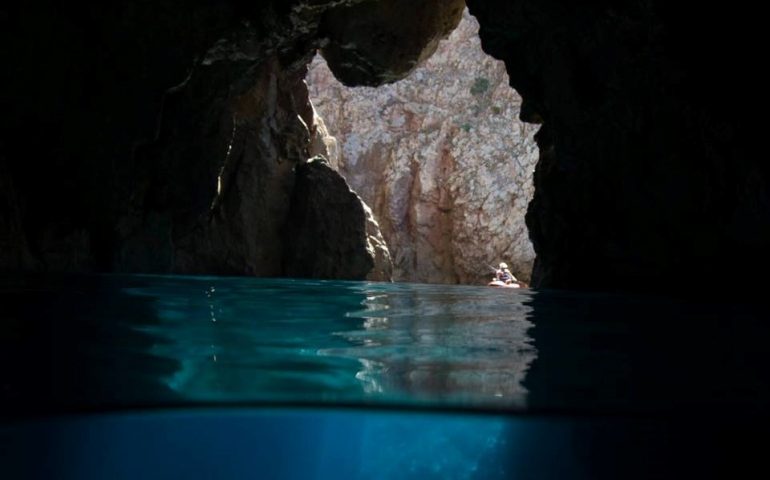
<point>111,341</point>
<point>341,341</point>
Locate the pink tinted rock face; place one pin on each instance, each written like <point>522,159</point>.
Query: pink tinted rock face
<point>441,158</point>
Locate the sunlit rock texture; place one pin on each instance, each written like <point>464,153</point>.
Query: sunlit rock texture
<point>442,159</point>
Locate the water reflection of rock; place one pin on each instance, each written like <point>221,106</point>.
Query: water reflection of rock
<point>254,340</point>
<point>461,349</point>
<point>313,341</point>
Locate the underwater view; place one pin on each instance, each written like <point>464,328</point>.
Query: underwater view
<point>108,376</point>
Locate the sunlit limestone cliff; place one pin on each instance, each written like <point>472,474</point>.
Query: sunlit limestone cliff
<point>442,159</point>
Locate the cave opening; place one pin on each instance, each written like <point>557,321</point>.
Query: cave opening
<point>171,143</point>
<point>173,137</point>
<point>440,157</point>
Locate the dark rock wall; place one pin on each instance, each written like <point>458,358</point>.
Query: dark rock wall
<point>372,43</point>
<point>648,176</point>
<point>13,241</point>
<point>162,136</point>
<point>145,136</point>
<point>215,186</point>
<point>81,86</point>
<point>324,204</point>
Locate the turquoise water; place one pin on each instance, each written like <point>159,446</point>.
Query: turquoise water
<point>212,377</point>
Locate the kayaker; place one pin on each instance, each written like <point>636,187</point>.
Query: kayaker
<point>504,275</point>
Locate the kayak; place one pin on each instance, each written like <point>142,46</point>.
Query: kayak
<point>499,284</point>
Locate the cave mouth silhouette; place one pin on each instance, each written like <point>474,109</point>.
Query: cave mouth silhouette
<point>645,178</point>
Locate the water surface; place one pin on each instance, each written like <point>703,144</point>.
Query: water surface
<point>372,380</point>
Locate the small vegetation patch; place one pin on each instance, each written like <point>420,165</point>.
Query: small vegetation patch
<point>480,85</point>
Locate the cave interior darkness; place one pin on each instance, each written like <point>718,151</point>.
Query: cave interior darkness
<point>650,173</point>
<point>169,136</point>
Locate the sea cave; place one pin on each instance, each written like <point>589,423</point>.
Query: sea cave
<point>237,233</point>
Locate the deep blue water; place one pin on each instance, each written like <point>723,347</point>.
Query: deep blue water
<point>212,377</point>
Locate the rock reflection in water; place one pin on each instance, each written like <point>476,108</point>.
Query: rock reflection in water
<point>428,345</point>
<point>252,340</point>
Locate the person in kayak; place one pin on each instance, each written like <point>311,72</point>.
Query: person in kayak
<point>504,275</point>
